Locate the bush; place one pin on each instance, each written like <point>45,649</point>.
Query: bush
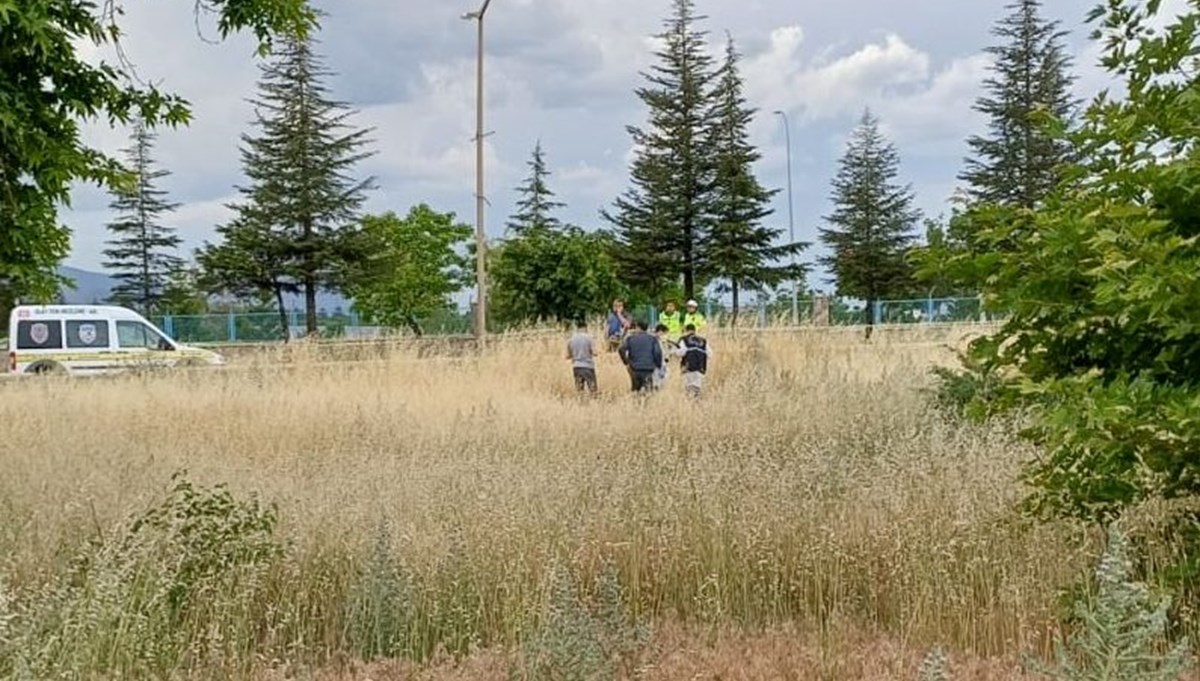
<point>1101,289</point>
<point>575,643</point>
<point>170,590</point>
<point>1121,633</point>
<point>380,607</point>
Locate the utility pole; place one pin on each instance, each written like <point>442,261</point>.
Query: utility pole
<point>787,132</point>
<point>480,239</point>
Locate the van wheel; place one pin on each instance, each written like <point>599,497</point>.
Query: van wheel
<point>47,369</point>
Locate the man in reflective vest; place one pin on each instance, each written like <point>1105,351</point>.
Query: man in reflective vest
<point>671,318</point>
<point>695,353</point>
<point>694,317</point>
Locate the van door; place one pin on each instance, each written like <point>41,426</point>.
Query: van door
<point>88,345</point>
<point>139,344</point>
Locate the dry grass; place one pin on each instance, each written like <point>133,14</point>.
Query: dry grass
<point>782,654</point>
<point>810,486</point>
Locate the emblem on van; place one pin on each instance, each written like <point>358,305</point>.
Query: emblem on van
<point>39,333</point>
<point>87,333</point>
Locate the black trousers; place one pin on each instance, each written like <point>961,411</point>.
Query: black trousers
<point>585,379</point>
<point>642,380</point>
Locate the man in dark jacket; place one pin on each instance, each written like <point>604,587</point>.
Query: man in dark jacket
<point>641,353</point>
<point>695,353</point>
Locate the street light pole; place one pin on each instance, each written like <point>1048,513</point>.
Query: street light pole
<point>480,241</point>
<point>787,132</point>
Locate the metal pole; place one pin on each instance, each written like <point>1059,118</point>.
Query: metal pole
<point>480,241</point>
<point>787,133</point>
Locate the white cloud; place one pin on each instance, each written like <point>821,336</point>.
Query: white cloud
<point>919,103</point>
<point>563,71</point>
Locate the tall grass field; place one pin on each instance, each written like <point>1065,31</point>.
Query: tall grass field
<point>433,516</point>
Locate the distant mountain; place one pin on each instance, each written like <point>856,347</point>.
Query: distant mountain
<point>90,287</point>
<point>95,287</point>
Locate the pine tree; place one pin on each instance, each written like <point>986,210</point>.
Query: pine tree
<point>664,220</point>
<point>536,205</point>
<point>547,270</point>
<point>742,251</point>
<point>873,221</point>
<point>142,253</point>
<point>1018,162</point>
<point>252,261</point>
<point>302,195</point>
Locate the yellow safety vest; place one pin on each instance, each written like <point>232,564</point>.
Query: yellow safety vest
<point>674,324</point>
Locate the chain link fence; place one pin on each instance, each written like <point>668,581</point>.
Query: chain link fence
<point>266,327</point>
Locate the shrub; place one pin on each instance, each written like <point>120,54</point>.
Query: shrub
<point>575,643</point>
<point>1121,633</point>
<point>170,590</point>
<point>379,610</point>
<point>934,667</point>
<point>1100,286</point>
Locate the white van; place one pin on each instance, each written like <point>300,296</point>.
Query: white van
<point>92,339</point>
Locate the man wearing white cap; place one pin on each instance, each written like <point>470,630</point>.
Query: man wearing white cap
<point>693,316</point>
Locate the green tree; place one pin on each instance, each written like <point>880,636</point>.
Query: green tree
<point>664,220</point>
<point>742,250</point>
<point>1100,285</point>
<point>546,270</point>
<point>873,221</point>
<point>414,265</point>
<point>561,275</point>
<point>142,254</point>
<point>938,269</point>
<point>535,208</point>
<point>1020,160</point>
<point>300,166</point>
<point>250,262</point>
<point>48,92</point>
<point>182,294</point>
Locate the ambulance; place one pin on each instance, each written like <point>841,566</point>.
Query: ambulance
<point>92,339</point>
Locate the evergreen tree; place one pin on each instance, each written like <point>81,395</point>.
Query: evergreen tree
<point>873,221</point>
<point>302,195</point>
<point>664,220</point>
<point>547,270</point>
<point>49,89</point>
<point>536,205</point>
<point>250,262</point>
<point>182,294</point>
<point>142,253</point>
<point>742,251</point>
<point>1018,162</point>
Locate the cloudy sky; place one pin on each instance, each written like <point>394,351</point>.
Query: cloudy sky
<point>563,71</point>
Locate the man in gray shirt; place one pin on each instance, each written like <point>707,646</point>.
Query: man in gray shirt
<point>581,350</point>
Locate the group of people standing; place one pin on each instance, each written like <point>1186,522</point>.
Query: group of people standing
<point>646,355</point>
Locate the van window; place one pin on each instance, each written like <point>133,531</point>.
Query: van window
<point>39,335</point>
<point>90,333</point>
<point>138,335</point>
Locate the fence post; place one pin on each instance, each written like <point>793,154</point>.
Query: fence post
<point>169,325</point>
<point>929,309</point>
<point>232,327</point>
<point>877,312</point>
